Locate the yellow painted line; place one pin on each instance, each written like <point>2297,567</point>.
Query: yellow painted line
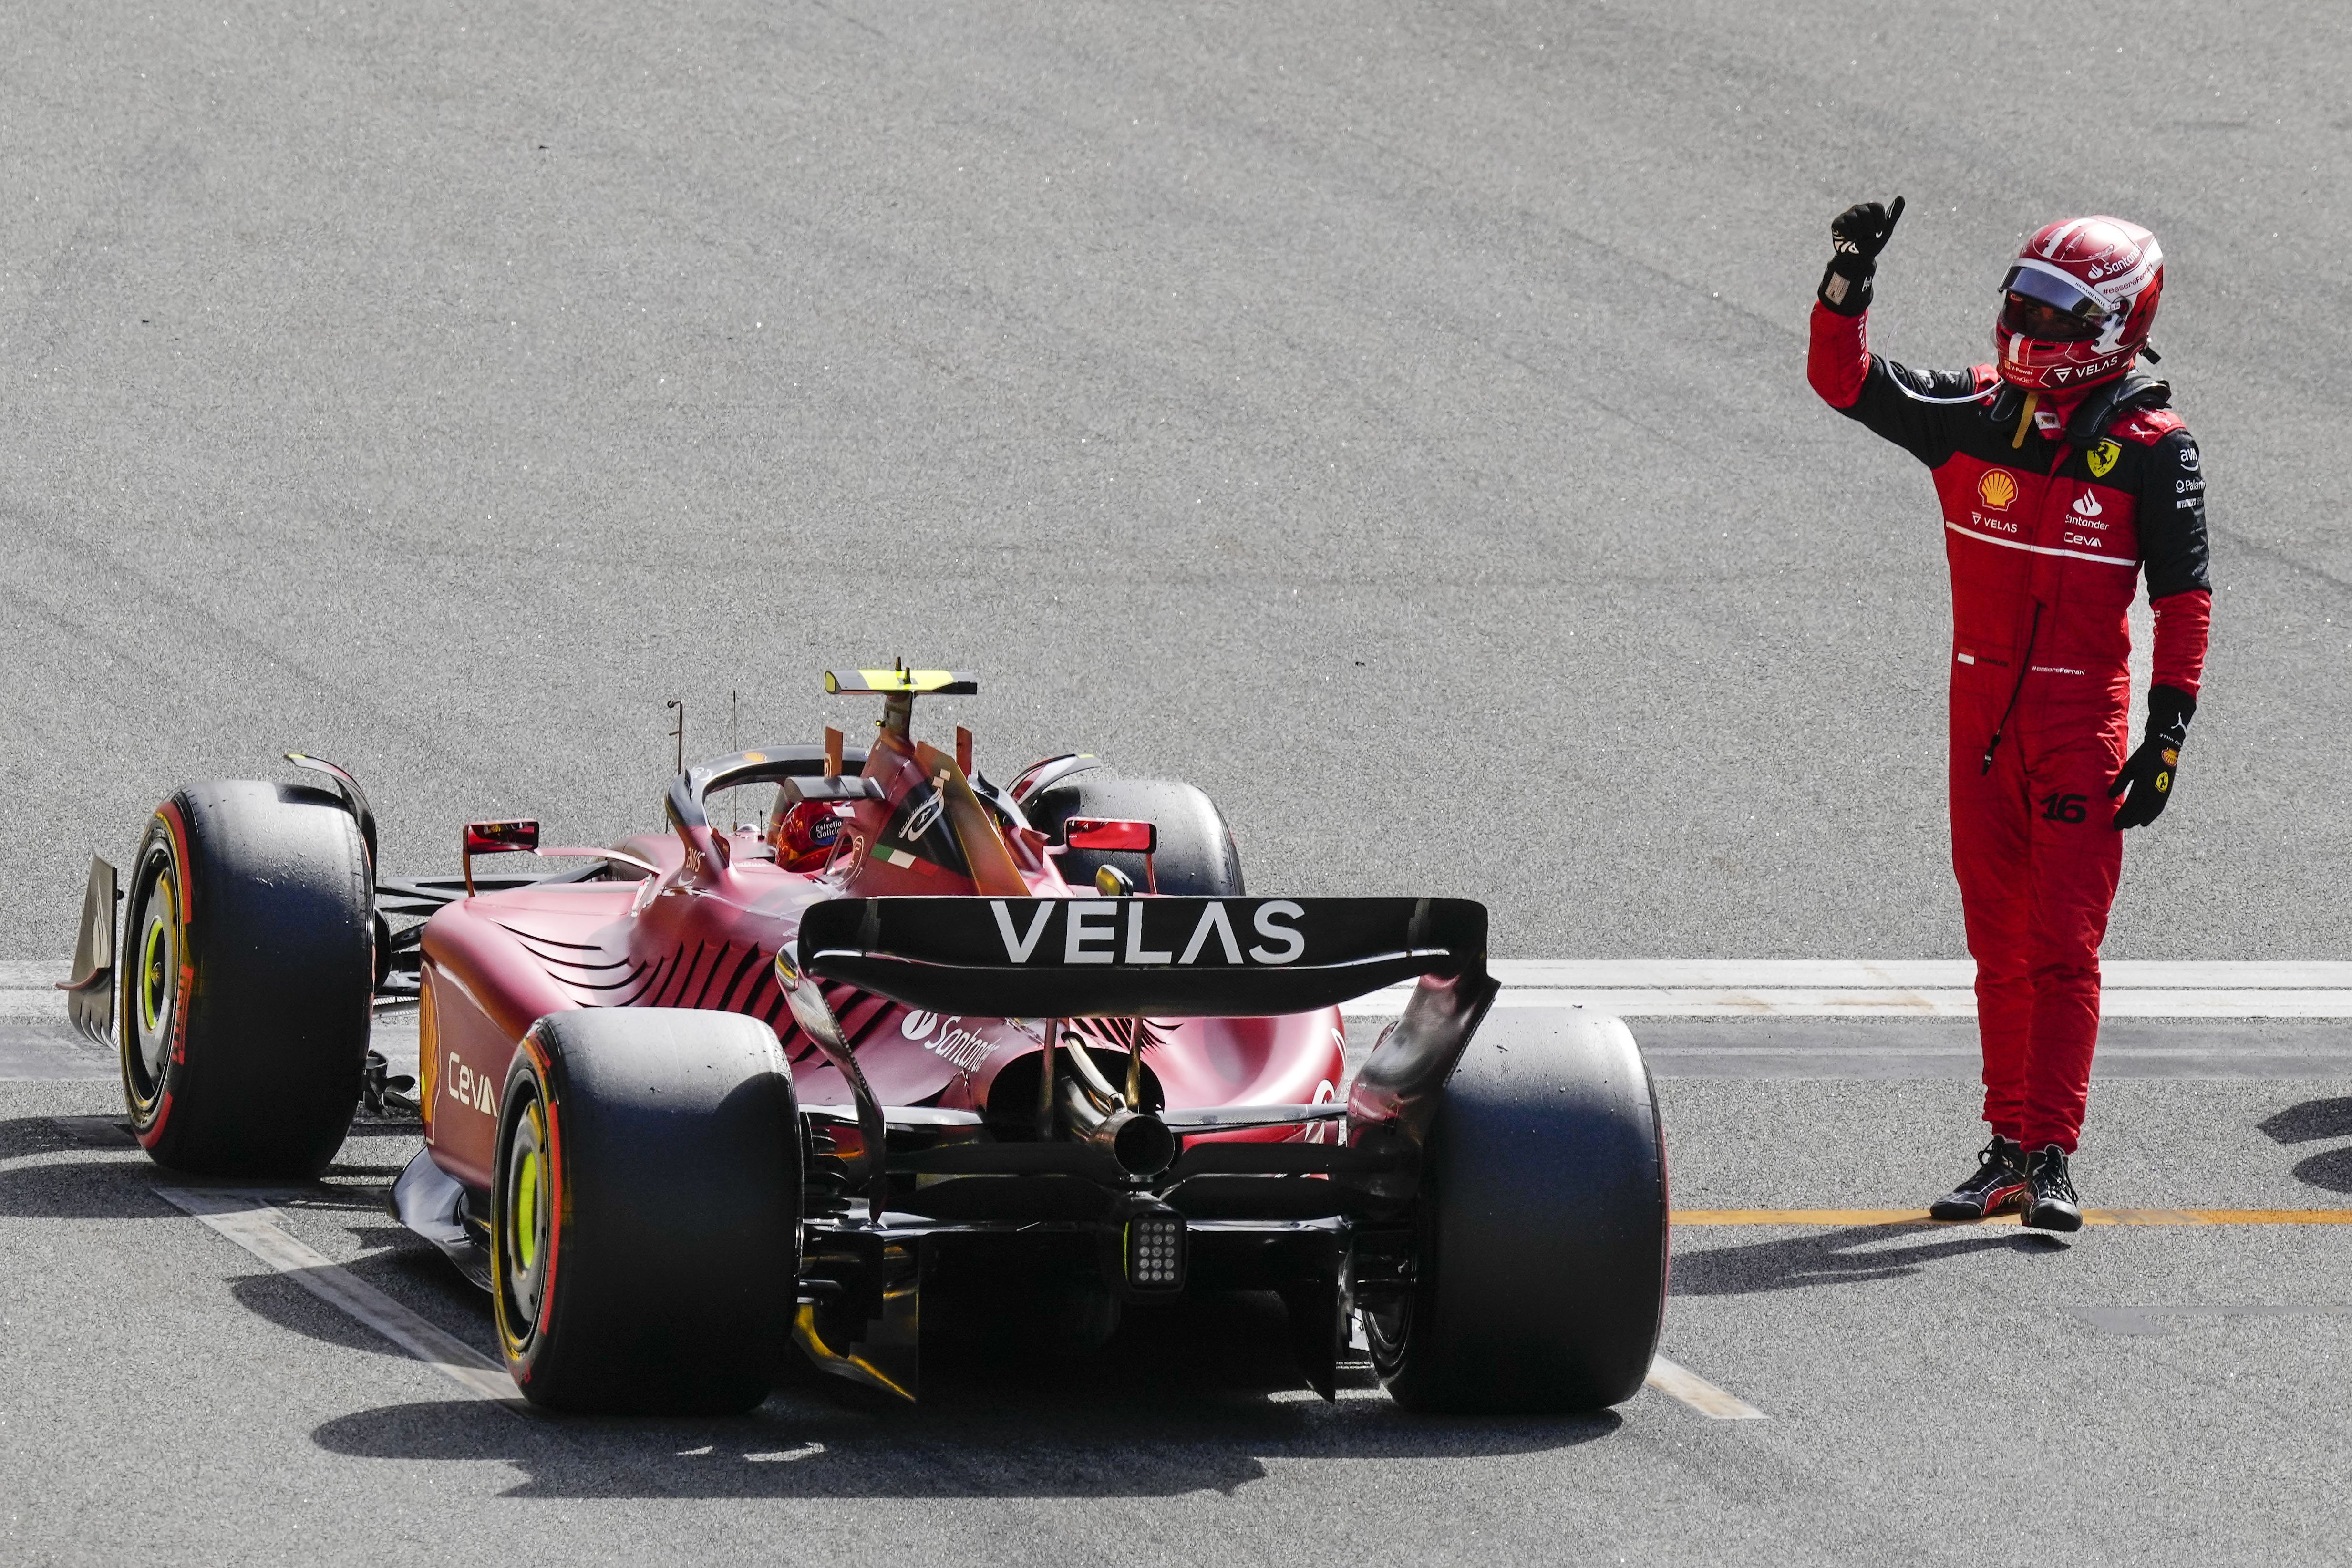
<point>1678,1381</point>
<point>2090,1216</point>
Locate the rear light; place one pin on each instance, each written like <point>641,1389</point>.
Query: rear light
<point>1156,1250</point>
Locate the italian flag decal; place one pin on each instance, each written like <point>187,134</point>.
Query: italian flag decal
<point>890,855</point>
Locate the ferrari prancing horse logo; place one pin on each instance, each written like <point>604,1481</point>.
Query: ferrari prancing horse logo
<point>1996,489</point>
<point>2102,457</point>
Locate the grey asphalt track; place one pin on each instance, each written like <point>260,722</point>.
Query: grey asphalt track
<point>1390,417</point>
<point>2151,1394</point>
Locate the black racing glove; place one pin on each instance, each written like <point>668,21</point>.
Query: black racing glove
<point>2148,772</point>
<point>1859,233</point>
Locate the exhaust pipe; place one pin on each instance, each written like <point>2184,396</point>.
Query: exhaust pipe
<point>1139,1142</point>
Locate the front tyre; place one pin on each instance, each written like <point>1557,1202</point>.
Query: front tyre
<point>644,1212</point>
<point>247,973</point>
<point>1539,1278</point>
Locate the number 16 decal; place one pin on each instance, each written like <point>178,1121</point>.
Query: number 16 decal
<point>2064,807</point>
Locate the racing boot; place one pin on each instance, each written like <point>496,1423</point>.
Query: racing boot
<point>1998,1187</point>
<point>2051,1202</point>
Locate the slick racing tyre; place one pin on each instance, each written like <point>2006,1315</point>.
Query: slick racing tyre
<point>1540,1260</point>
<point>644,1212</point>
<point>245,981</point>
<point>1196,853</point>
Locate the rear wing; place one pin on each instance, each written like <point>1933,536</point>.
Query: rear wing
<point>1165,957</point>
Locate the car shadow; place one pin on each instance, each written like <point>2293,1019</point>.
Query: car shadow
<point>803,1445</point>
<point>108,1177</point>
<point>105,1180</point>
<point>1201,1398</point>
<point>400,1266</point>
<point>1836,1256</point>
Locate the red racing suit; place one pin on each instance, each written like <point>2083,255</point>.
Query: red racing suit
<point>2046,539</point>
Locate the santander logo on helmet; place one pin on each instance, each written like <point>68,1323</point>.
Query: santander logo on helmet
<point>2077,303</point>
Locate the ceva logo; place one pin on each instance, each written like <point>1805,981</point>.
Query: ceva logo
<point>1997,487</point>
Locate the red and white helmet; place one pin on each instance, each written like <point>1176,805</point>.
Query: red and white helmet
<point>2077,304</point>
<point>804,834</point>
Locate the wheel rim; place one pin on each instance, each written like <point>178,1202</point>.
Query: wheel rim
<point>154,991</point>
<point>1386,1330</point>
<point>525,1216</point>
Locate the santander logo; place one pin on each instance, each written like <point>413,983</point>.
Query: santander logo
<point>2086,505</point>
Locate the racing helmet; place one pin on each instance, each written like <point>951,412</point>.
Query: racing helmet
<point>2077,303</point>
<point>802,833</point>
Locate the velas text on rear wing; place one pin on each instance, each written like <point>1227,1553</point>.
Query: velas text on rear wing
<point>1214,931</point>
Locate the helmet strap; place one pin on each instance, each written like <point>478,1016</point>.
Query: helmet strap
<point>2025,420</point>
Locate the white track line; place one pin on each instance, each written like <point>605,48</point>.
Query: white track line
<point>253,1225</point>
<point>1729,988</point>
<point>1677,1382</point>
<point>1908,988</point>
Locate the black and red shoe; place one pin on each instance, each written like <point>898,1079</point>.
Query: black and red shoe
<point>2051,1200</point>
<point>1998,1185</point>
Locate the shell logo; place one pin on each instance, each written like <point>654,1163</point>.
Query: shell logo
<point>1996,489</point>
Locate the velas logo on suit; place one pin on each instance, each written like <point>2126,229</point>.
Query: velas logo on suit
<point>1996,489</point>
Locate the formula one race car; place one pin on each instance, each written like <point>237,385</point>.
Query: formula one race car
<point>919,1049</point>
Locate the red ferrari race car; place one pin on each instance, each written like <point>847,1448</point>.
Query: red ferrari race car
<point>920,1051</point>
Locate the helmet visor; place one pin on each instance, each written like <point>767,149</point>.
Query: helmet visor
<point>2036,303</point>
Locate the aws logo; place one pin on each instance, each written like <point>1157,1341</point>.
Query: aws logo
<point>1997,487</point>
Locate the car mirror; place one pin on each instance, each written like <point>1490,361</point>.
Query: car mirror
<point>518,837</point>
<point>1103,834</point>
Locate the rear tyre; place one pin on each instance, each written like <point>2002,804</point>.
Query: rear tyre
<point>1540,1262</point>
<point>645,1213</point>
<point>245,979</point>
<point>1196,853</point>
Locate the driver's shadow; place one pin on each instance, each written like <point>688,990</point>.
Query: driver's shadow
<point>1851,1255</point>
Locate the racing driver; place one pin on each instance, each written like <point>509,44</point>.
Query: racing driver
<point>2064,476</point>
